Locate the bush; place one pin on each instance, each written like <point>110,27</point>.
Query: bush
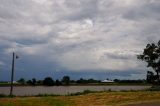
<point>2,95</point>
<point>48,81</point>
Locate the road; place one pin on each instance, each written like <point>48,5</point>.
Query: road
<point>146,104</point>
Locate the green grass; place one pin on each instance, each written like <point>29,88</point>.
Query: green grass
<point>34,101</point>
<point>56,102</point>
<point>87,97</point>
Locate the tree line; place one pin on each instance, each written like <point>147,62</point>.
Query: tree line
<point>48,81</point>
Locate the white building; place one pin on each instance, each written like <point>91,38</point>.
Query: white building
<point>14,82</point>
<point>107,81</point>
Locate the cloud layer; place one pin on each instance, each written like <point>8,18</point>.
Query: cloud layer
<point>79,35</point>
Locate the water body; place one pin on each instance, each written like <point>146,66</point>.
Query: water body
<point>63,90</point>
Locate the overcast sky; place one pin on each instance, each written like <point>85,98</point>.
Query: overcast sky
<point>80,38</point>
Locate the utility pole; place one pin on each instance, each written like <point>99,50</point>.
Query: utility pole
<point>12,75</point>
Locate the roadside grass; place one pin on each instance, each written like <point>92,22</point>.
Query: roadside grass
<point>85,98</point>
<point>3,95</point>
<point>34,101</point>
<point>115,98</point>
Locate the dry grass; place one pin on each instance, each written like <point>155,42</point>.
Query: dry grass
<point>91,99</point>
<point>114,98</point>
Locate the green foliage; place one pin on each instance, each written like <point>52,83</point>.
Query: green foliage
<point>5,96</point>
<point>48,81</point>
<point>40,82</point>
<point>56,102</point>
<point>33,81</point>
<point>34,101</point>
<point>129,81</point>
<point>151,55</point>
<point>2,95</point>
<point>29,82</point>
<point>45,95</point>
<point>85,81</point>
<point>81,93</point>
<point>150,77</point>
<point>21,81</point>
<point>58,83</point>
<point>66,80</point>
<point>11,96</point>
<point>109,90</point>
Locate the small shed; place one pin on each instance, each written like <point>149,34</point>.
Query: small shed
<point>107,81</point>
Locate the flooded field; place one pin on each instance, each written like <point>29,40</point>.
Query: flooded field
<point>62,90</point>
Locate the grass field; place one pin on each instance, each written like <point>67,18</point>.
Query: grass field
<point>86,99</point>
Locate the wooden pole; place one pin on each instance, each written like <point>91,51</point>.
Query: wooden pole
<point>12,75</point>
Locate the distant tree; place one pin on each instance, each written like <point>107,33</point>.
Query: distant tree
<point>39,82</point>
<point>33,81</point>
<point>21,81</point>
<point>130,81</point>
<point>66,80</point>
<point>116,80</point>
<point>72,81</point>
<point>58,82</point>
<point>48,81</point>
<point>29,82</point>
<point>91,80</point>
<point>81,80</point>
<point>151,55</point>
<point>150,77</point>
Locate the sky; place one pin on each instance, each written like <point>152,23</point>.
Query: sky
<point>79,38</point>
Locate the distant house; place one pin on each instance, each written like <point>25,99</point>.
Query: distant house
<point>14,82</point>
<point>107,81</point>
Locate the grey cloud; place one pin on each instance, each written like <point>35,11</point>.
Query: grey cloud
<point>84,9</point>
<point>117,55</point>
<point>148,11</point>
<point>82,34</point>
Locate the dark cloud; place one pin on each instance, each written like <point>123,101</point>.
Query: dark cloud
<point>81,35</point>
<point>147,11</point>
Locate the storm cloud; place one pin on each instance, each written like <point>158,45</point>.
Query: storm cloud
<point>77,35</point>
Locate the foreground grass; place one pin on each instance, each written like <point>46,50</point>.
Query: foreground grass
<point>34,101</point>
<point>86,99</point>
